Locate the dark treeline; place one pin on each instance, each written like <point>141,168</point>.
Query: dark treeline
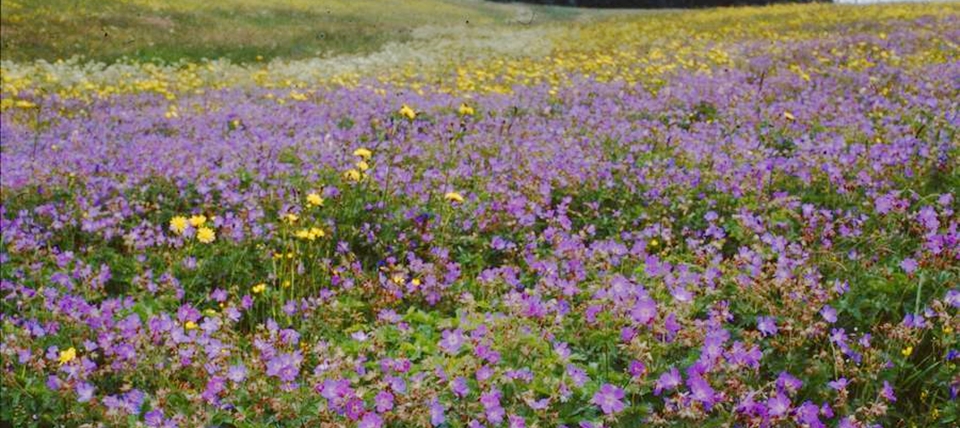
<point>657,3</point>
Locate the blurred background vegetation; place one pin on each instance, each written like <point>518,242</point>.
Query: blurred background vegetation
<point>257,30</point>
<point>659,3</point>
<point>239,30</point>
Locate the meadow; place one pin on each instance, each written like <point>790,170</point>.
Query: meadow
<point>741,217</point>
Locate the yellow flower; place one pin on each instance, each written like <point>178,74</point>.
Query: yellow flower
<point>654,242</point>
<point>25,104</point>
<point>363,166</point>
<point>206,235</point>
<point>907,351</point>
<point>309,234</point>
<point>198,220</point>
<point>465,110</point>
<point>259,288</point>
<point>178,224</point>
<point>453,197</point>
<point>352,175</point>
<point>416,281</point>
<point>291,218</point>
<point>363,153</point>
<point>68,355</point>
<point>314,199</point>
<point>408,112</point>
<point>398,279</point>
<point>789,116</point>
<point>190,325</point>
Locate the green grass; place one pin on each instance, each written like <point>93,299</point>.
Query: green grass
<point>239,30</point>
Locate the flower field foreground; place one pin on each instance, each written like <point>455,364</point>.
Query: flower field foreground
<point>742,217</point>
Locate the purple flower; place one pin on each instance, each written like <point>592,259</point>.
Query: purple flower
<point>928,217</point>
<point>829,314</point>
<point>667,381</point>
<point>354,408</point>
<point>285,366</point>
<point>701,391</point>
<point>491,406</point>
<point>490,398</point>
<point>538,404</point>
<point>789,383</point>
<point>839,384</point>
<point>909,265</point>
<point>578,375</point>
<point>53,383</point>
<point>637,369</point>
<point>460,387</point>
<point>808,415</point>
<point>153,418</point>
<point>383,401</point>
<point>914,321</point>
<point>644,311</point>
<point>608,399</point>
<point>213,389</point>
<point>396,383</point>
<point>952,298</point>
<point>237,373</point>
<point>436,413</point>
<point>741,356</point>
<point>484,373</point>
<point>778,405</point>
<point>516,421</point>
<point>371,420</point>
<point>452,341</point>
<point>84,392</point>
<point>128,402</point>
<point>887,392</point>
<point>562,350</point>
<point>336,391</point>
<point>767,326</point>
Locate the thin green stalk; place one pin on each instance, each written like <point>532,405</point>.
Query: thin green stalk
<point>916,305</point>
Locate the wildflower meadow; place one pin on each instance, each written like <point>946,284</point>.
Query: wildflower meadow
<point>734,217</point>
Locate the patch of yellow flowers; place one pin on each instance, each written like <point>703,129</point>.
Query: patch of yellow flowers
<point>205,235</point>
<point>309,234</point>
<point>359,172</point>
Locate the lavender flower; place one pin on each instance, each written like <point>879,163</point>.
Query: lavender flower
<point>608,398</point>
